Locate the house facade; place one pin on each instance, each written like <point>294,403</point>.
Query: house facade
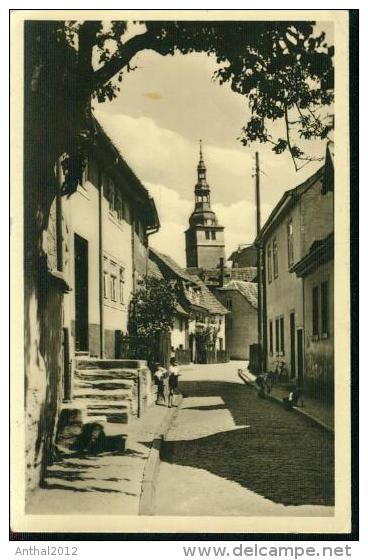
<point>302,218</point>
<point>316,269</point>
<point>241,299</point>
<point>98,241</point>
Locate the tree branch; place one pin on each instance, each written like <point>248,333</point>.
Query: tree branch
<point>288,135</point>
<point>122,59</point>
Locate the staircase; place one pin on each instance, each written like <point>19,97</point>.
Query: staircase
<point>109,389</point>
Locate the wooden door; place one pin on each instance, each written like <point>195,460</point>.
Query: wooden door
<point>81,293</point>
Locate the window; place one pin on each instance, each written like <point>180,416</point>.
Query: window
<point>275,259</point>
<point>207,234</point>
<point>229,303</point>
<point>282,336</point>
<point>113,287</point>
<point>290,243</point>
<point>181,324</point>
<point>277,326</point>
<point>119,206</point>
<point>127,213</point>
<point>111,196</point>
<point>315,311</point>
<point>271,338</point>
<point>121,286</point>
<point>209,222</point>
<point>324,308</point>
<point>213,235</point>
<point>105,278</point>
<point>105,282</point>
<point>269,263</point>
<point>84,176</point>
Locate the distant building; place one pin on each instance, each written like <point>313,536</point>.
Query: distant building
<point>297,243</point>
<point>217,277</point>
<point>199,313</point>
<point>244,256</point>
<point>241,299</point>
<point>204,239</point>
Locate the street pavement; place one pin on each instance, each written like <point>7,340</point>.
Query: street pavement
<point>228,452</point>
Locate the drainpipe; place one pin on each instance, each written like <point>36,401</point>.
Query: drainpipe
<point>264,312</point>
<point>101,264</point>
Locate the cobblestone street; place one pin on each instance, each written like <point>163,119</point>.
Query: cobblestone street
<point>230,453</point>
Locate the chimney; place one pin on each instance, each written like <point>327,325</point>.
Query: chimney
<point>222,272</point>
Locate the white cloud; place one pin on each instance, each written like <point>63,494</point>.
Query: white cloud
<point>165,161</point>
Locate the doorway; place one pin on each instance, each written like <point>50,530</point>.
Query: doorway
<point>292,344</point>
<point>300,354</point>
<point>81,293</point>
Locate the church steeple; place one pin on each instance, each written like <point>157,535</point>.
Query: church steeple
<point>204,238</point>
<point>202,188</point>
<point>201,168</point>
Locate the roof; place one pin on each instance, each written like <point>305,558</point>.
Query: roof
<point>211,276</point>
<point>247,274</point>
<point>288,200</point>
<point>133,184</point>
<point>204,299</point>
<point>172,265</point>
<point>210,302</point>
<point>247,289</point>
<point>153,270</point>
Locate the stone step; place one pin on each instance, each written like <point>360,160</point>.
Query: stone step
<point>103,384</point>
<point>129,375</point>
<point>84,363</point>
<point>109,404</point>
<point>116,416</point>
<point>100,394</point>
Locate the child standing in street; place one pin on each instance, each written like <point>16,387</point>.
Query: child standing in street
<point>173,380</point>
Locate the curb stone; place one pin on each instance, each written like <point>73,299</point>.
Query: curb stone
<point>150,474</point>
<point>298,410</point>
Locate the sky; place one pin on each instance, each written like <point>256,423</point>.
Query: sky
<point>164,107</point>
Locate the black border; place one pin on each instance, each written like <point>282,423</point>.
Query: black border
<point>354,294</point>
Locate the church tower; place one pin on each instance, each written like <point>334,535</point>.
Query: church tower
<point>204,239</point>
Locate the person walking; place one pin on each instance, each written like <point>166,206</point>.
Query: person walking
<point>173,380</point>
<point>160,376</point>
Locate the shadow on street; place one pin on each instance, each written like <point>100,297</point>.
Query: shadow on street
<point>278,455</point>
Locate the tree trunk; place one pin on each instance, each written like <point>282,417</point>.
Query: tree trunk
<point>45,139</point>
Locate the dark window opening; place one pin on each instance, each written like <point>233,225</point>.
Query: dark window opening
<point>282,336</point>
<point>271,338</point>
<point>275,259</point>
<point>315,311</point>
<point>324,307</point>
<point>269,263</point>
